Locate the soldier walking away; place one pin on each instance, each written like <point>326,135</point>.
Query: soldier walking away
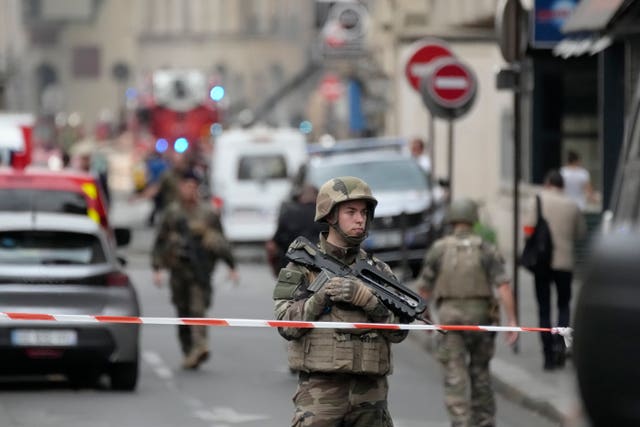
<point>342,373</point>
<point>566,224</point>
<point>188,243</point>
<point>461,274</point>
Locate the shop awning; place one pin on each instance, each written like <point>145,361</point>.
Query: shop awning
<point>591,27</point>
<point>591,15</point>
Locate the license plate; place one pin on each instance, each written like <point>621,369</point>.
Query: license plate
<point>44,337</point>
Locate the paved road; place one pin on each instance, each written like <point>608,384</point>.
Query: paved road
<point>246,382</point>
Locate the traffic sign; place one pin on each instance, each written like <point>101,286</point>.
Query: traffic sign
<point>423,53</point>
<point>449,88</point>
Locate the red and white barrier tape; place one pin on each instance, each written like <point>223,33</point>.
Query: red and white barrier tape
<point>260,323</point>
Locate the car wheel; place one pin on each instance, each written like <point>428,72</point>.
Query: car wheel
<point>124,376</point>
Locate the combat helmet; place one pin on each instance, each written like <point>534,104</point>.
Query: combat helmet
<point>342,189</point>
<point>462,210</point>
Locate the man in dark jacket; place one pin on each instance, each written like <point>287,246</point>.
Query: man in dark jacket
<point>295,219</point>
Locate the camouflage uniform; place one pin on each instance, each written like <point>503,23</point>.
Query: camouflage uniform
<point>167,188</point>
<point>459,270</point>
<point>342,380</point>
<point>190,292</point>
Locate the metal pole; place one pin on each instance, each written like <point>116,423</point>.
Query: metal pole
<point>516,196</point>
<point>450,160</point>
<point>432,144</point>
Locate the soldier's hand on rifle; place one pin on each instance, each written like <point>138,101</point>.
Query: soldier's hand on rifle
<point>158,278</point>
<point>316,304</point>
<point>352,291</point>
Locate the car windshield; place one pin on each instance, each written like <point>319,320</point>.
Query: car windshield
<point>37,247</point>
<point>260,167</point>
<point>27,199</point>
<point>383,175</point>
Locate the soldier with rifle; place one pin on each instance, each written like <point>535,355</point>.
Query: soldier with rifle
<point>342,373</point>
<point>188,243</point>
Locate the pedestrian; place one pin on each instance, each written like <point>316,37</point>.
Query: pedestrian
<point>188,243</point>
<point>156,165</point>
<point>418,152</point>
<point>342,373</point>
<point>577,180</point>
<point>296,218</point>
<point>465,278</point>
<point>567,225</point>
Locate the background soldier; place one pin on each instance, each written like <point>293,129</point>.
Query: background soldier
<point>343,373</point>
<point>188,243</point>
<point>459,271</point>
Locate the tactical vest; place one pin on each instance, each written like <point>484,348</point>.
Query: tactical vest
<point>349,351</point>
<point>461,273</point>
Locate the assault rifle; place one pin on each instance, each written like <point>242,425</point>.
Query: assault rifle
<point>194,253</point>
<point>398,298</point>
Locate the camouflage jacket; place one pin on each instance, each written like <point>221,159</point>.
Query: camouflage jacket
<point>290,295</point>
<point>204,231</point>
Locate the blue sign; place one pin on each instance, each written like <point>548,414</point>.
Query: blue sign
<point>547,18</point>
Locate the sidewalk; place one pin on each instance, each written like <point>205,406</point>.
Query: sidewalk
<point>520,377</point>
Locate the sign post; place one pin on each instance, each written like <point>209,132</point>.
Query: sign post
<point>448,90</point>
<point>512,33</point>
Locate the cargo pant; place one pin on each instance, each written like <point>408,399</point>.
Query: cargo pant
<point>465,357</point>
<point>191,299</point>
<point>341,400</point>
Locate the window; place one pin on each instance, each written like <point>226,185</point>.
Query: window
<point>25,199</point>
<point>380,175</point>
<point>86,62</point>
<point>262,167</point>
<point>38,247</point>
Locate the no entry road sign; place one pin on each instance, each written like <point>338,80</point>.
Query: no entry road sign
<point>449,88</point>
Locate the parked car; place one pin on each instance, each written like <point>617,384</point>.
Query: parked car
<point>39,189</point>
<point>66,264</point>
<point>250,176</point>
<point>408,217</point>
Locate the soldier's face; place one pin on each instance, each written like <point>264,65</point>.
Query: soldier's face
<point>352,217</point>
<point>189,190</point>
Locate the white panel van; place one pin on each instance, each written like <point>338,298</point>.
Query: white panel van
<point>250,176</point>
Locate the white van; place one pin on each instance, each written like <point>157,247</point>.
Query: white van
<point>250,176</point>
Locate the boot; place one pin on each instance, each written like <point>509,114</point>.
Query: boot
<point>559,350</point>
<point>195,358</point>
<point>549,361</point>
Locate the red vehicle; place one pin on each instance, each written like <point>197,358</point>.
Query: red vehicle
<point>38,189</point>
<point>179,108</point>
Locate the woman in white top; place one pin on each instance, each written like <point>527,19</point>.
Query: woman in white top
<point>577,180</point>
